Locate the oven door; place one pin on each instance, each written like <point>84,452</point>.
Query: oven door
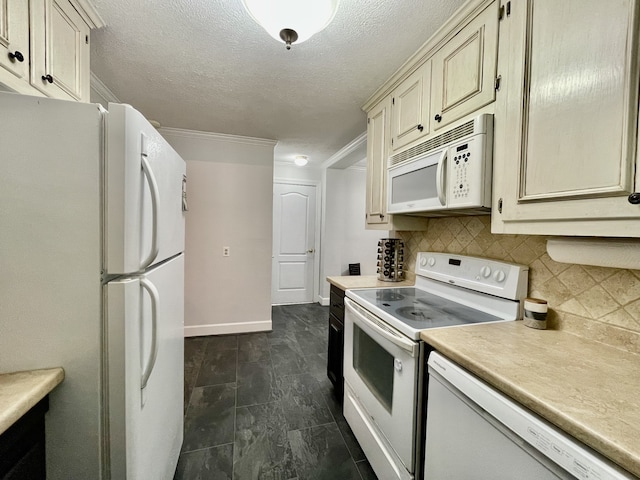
<point>381,368</point>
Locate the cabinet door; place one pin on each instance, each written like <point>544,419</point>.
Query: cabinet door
<point>60,50</point>
<point>464,69</point>
<point>377,152</point>
<point>14,37</point>
<point>335,355</point>
<point>569,158</point>
<point>410,108</point>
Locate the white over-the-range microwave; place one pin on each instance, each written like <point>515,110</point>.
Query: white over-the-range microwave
<point>447,174</point>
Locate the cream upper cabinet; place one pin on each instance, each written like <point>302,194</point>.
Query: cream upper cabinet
<point>61,50</point>
<point>14,38</point>
<point>44,47</point>
<point>566,147</point>
<point>464,69</point>
<point>410,110</point>
<point>378,134</point>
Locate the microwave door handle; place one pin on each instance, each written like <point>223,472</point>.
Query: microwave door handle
<point>440,177</point>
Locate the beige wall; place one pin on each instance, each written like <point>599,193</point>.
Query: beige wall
<point>576,293</point>
<point>230,191</point>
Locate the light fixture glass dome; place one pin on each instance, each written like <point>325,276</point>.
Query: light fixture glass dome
<point>300,160</point>
<point>280,17</point>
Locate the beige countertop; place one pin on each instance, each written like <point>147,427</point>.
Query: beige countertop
<point>364,281</point>
<point>588,389</point>
<point>22,390</point>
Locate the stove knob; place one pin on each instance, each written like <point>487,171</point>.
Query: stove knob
<point>485,271</point>
<point>499,276</point>
<point>431,261</point>
<point>423,261</point>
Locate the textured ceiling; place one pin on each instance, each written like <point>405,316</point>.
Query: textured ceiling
<point>206,65</point>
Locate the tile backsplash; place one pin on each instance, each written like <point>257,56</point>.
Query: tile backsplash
<point>575,293</point>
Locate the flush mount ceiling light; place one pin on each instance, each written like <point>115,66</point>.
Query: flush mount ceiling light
<point>292,20</point>
<point>300,160</point>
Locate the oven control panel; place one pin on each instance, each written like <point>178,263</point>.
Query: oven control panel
<point>503,279</point>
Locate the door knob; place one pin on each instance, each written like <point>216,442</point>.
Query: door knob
<point>311,250</point>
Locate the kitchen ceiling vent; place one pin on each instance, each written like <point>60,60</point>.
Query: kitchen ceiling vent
<point>434,142</point>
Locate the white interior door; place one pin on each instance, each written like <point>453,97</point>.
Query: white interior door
<point>294,221</point>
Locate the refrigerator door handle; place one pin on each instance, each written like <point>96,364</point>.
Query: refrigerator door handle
<point>153,293</point>
<point>155,201</point>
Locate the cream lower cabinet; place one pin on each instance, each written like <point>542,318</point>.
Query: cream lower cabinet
<point>14,40</point>
<point>44,47</point>
<point>378,134</point>
<point>567,119</point>
<point>464,69</point>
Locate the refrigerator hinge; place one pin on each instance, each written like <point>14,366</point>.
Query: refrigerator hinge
<point>144,147</point>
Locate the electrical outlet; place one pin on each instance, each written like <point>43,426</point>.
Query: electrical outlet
<point>226,251</point>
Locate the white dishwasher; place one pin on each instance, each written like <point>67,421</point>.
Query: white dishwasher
<point>475,432</point>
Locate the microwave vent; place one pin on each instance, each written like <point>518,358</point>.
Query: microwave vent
<point>434,142</point>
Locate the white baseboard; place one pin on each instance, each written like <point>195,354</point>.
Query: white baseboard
<point>323,301</point>
<point>227,328</point>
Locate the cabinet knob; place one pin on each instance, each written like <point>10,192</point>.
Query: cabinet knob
<point>16,56</point>
<point>47,78</point>
<point>381,216</point>
<point>634,198</point>
<point>420,127</point>
<point>438,117</point>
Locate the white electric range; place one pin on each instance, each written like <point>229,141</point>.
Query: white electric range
<point>384,359</point>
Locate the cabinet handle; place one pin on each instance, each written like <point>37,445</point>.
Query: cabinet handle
<point>438,118</point>
<point>16,56</point>
<point>420,127</point>
<point>634,198</point>
<point>47,78</point>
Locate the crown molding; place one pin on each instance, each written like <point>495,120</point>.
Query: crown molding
<point>102,90</point>
<point>89,13</point>
<point>196,134</point>
<point>350,148</point>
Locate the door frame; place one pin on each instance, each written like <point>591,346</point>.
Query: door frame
<point>318,224</point>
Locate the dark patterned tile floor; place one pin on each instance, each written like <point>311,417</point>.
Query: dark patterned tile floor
<point>259,406</point>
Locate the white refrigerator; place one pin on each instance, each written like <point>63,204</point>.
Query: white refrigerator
<point>92,208</point>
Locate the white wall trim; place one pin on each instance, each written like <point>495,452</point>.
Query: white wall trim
<point>102,90</point>
<point>357,167</point>
<point>89,13</point>
<point>180,132</point>
<point>350,147</point>
<point>227,328</point>
<point>324,301</point>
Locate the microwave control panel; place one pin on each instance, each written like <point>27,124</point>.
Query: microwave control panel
<point>466,173</point>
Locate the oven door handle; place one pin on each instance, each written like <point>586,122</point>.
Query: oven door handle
<point>366,320</point>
